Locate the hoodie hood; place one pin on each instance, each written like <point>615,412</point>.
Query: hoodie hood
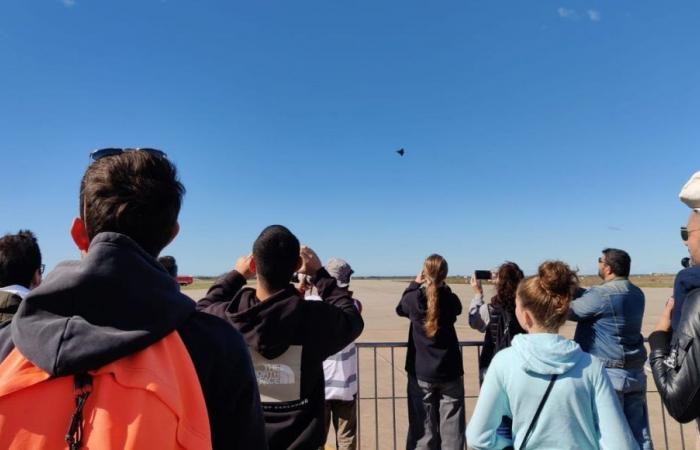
<point>116,301</point>
<point>546,353</point>
<point>268,327</point>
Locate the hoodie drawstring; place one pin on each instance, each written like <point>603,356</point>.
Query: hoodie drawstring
<point>82,387</point>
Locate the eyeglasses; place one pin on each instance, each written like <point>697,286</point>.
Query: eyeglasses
<point>685,232</point>
<point>42,269</point>
<point>105,152</point>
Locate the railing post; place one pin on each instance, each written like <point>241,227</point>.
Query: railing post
<point>358,400</point>
<point>376,403</point>
<point>663,420</point>
<point>393,397</point>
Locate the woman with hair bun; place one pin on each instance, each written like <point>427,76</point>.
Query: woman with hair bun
<point>557,396</point>
<point>433,361</point>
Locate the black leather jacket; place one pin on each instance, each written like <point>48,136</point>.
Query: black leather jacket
<point>675,362</point>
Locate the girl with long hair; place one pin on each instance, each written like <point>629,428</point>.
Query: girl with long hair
<point>556,395</point>
<point>433,360</point>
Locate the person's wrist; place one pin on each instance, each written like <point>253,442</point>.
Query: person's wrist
<point>320,273</point>
<point>665,327</point>
<point>235,273</point>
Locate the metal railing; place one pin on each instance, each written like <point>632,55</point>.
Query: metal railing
<point>385,438</point>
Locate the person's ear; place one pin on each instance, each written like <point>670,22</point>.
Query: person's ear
<point>174,232</point>
<point>300,262</point>
<point>79,234</point>
<point>252,266</point>
<point>36,279</point>
<point>529,321</point>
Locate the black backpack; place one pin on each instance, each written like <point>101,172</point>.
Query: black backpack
<point>503,326</point>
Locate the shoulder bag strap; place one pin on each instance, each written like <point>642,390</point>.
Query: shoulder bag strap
<point>537,413</point>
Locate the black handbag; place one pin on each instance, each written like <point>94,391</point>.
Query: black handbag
<point>531,428</point>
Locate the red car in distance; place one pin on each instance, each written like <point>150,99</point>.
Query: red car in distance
<point>185,280</point>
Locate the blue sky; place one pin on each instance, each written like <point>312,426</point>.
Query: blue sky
<point>533,130</point>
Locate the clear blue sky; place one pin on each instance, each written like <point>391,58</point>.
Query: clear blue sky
<point>533,129</point>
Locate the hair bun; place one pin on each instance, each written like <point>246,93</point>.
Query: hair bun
<point>557,278</point>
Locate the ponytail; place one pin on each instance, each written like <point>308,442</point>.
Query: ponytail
<point>434,272</point>
<point>431,318</point>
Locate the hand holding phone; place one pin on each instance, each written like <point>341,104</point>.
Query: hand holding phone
<point>476,285</point>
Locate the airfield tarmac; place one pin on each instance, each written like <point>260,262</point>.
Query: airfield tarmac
<point>379,299</point>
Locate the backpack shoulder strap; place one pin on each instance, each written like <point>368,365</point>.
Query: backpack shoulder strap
<point>531,428</point>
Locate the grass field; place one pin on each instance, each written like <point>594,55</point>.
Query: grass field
<point>199,283</point>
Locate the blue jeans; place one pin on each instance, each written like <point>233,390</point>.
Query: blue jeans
<point>631,387</point>
<point>436,418</point>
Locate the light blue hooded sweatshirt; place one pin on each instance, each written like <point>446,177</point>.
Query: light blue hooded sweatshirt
<point>582,411</point>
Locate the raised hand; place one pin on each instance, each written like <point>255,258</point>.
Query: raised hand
<point>244,266</point>
<point>310,263</point>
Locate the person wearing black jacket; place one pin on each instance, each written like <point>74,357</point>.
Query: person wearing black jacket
<point>118,301</point>
<point>288,337</point>
<point>433,361</point>
<point>675,353</point>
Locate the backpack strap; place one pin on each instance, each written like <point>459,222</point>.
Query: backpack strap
<point>539,410</point>
<point>82,387</point>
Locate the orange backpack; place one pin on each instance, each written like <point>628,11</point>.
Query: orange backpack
<point>149,400</point>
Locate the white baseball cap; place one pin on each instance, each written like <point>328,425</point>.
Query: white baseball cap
<point>690,194</point>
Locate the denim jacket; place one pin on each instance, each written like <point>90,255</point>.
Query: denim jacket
<point>609,326</point>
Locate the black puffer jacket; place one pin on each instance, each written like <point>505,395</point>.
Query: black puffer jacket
<point>675,362</point>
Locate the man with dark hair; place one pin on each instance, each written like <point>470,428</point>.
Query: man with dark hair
<point>112,341</point>
<point>609,327</point>
<point>618,261</point>
<point>20,270</point>
<point>289,338</point>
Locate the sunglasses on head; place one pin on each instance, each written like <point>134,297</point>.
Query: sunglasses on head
<point>105,152</point>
